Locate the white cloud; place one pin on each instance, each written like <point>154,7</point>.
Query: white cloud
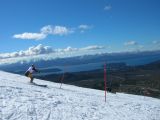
<point>134,46</point>
<point>40,49</point>
<point>50,30</point>
<point>34,50</point>
<point>88,48</point>
<point>68,49</point>
<point>156,42</point>
<point>93,47</point>
<point>26,35</point>
<point>108,7</point>
<point>56,30</point>
<point>44,32</point>
<point>61,30</point>
<point>47,29</point>
<point>130,43</point>
<point>84,26</point>
<point>40,52</point>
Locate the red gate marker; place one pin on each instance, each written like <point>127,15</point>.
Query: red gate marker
<point>62,80</point>
<point>105,77</point>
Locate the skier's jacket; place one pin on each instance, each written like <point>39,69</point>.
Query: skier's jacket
<point>30,70</point>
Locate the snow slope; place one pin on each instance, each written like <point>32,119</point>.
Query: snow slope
<point>21,101</point>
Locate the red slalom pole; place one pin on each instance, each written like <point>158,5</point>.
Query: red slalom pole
<point>105,80</point>
<point>62,78</point>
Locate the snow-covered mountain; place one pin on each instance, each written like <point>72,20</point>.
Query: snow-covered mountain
<point>87,61</point>
<point>20,100</point>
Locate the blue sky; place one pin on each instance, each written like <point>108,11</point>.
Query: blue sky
<point>109,25</point>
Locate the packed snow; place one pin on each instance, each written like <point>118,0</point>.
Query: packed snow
<point>20,100</point>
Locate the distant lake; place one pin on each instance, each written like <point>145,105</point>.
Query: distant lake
<point>73,68</point>
<point>99,65</point>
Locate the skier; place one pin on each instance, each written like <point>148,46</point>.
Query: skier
<point>30,71</point>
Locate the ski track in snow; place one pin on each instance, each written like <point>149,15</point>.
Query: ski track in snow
<point>21,101</point>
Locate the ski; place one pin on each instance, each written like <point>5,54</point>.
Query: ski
<point>33,83</point>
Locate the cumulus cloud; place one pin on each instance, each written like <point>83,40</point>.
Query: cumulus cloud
<point>44,32</point>
<point>51,30</point>
<point>130,43</point>
<point>84,27</point>
<point>60,30</point>
<point>47,29</point>
<point>108,7</point>
<point>40,49</point>
<point>26,35</point>
<point>56,30</point>
<point>34,50</point>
